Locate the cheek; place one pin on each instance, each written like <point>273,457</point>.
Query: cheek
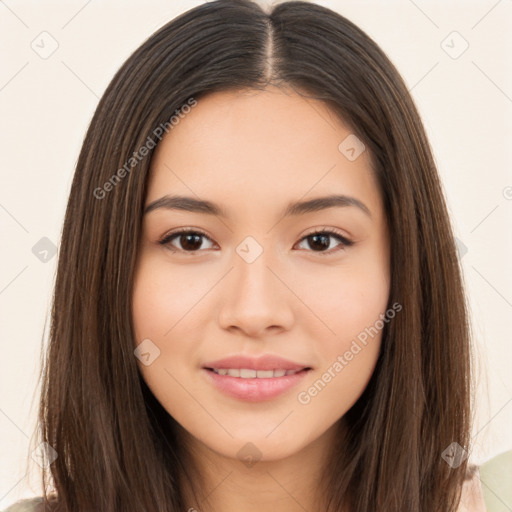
<point>156,308</point>
<point>160,299</point>
<point>163,304</point>
<point>346,300</point>
<point>353,310</point>
<point>348,358</point>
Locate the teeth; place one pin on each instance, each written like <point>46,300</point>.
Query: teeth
<point>245,373</point>
<point>263,374</point>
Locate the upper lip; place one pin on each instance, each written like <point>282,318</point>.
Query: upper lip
<point>264,362</point>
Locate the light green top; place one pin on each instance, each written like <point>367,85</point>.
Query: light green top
<point>496,478</point>
<point>25,505</point>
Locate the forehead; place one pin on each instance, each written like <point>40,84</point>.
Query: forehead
<point>238,147</point>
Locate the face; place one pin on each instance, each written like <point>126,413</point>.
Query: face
<point>252,279</point>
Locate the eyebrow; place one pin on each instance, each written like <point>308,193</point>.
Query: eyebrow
<point>191,204</point>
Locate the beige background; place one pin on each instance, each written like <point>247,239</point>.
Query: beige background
<point>46,105</point>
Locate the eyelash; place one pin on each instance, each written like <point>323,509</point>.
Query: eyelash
<point>345,242</point>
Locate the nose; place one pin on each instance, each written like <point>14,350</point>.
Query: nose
<point>256,299</point>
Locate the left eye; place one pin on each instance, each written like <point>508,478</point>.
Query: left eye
<point>190,240</point>
<point>321,238</point>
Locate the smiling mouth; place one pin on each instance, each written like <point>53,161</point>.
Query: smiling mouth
<point>247,373</point>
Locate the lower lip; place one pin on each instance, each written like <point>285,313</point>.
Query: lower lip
<point>254,390</point>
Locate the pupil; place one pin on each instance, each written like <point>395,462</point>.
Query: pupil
<point>191,246</point>
<point>325,239</point>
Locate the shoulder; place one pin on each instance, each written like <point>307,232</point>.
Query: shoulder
<point>26,505</point>
<point>472,498</point>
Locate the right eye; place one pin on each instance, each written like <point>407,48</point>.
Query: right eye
<point>189,239</point>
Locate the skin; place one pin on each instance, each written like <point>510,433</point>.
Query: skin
<point>253,152</point>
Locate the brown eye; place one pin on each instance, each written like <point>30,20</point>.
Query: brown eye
<point>320,241</point>
<point>190,241</point>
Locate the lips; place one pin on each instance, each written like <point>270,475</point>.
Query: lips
<point>254,379</point>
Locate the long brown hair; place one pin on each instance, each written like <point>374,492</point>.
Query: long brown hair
<point>117,447</point>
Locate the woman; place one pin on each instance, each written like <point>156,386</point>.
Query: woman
<point>258,299</point>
